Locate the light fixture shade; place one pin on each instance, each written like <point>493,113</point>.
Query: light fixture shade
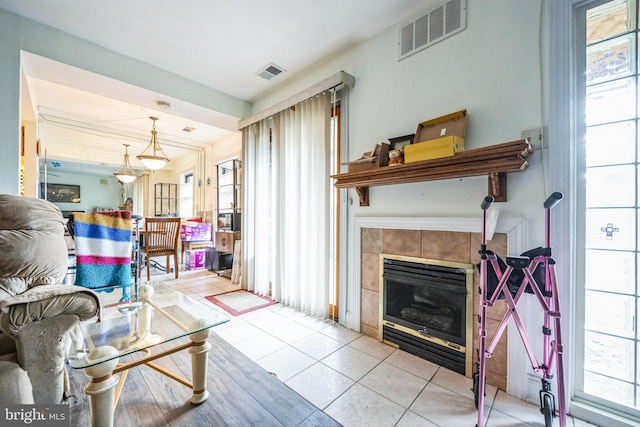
<point>125,178</point>
<point>153,162</point>
<point>153,157</point>
<point>125,174</point>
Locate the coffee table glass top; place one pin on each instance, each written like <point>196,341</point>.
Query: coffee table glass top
<point>161,315</point>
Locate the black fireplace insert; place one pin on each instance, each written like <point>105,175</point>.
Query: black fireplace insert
<point>429,303</point>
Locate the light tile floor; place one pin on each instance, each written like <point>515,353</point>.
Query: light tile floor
<point>354,378</point>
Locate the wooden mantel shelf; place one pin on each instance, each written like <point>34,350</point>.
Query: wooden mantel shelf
<point>494,161</point>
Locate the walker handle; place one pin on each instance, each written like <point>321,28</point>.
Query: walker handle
<point>486,202</point>
<point>553,200</point>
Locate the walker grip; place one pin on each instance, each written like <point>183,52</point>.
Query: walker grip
<point>486,202</point>
<point>553,200</point>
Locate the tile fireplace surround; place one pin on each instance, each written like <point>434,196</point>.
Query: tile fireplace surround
<point>458,246</point>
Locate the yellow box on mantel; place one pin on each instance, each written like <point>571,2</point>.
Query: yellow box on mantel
<point>441,147</point>
<point>439,137</point>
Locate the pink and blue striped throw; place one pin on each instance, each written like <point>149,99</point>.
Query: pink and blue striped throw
<point>103,250</point>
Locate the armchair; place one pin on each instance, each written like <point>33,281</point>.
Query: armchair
<point>37,312</point>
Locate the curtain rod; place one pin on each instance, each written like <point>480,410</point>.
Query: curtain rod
<point>326,84</point>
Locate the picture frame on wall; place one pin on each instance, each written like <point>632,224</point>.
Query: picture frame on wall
<point>60,193</point>
<point>399,142</point>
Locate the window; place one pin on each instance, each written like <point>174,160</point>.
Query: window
<point>607,344</point>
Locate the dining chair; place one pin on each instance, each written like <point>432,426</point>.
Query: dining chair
<point>161,239</point>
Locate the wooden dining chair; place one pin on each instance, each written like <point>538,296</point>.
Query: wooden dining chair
<point>161,239</point>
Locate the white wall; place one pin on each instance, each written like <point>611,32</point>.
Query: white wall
<point>493,69</point>
<point>10,105</point>
<point>31,159</point>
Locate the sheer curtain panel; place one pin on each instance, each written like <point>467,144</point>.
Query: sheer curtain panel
<point>258,224</point>
<point>289,203</point>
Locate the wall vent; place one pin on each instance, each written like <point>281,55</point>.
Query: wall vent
<point>442,20</point>
<point>270,71</point>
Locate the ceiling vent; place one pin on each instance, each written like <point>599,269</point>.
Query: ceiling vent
<point>439,22</point>
<point>163,105</point>
<point>270,71</point>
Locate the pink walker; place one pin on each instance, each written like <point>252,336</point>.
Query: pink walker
<point>533,272</point>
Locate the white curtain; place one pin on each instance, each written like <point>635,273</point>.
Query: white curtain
<point>288,207</point>
<point>257,221</point>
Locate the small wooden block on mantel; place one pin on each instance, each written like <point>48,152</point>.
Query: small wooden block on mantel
<point>363,195</point>
<point>498,187</point>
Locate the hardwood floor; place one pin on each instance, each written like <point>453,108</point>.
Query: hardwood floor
<point>241,394</point>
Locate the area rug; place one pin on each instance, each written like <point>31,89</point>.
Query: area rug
<point>240,301</point>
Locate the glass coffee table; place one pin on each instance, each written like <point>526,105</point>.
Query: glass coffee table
<point>137,329</point>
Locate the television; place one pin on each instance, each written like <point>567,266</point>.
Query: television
<point>60,193</point>
<point>228,221</point>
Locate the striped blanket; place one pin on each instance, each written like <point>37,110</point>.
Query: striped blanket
<point>103,250</point>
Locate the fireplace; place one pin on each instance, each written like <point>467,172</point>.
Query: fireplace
<point>454,239</point>
<point>426,309</point>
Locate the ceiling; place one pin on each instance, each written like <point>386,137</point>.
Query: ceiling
<point>220,44</point>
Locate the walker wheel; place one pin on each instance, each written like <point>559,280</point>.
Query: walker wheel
<point>547,409</point>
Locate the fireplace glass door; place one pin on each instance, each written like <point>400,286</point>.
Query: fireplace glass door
<point>430,299</point>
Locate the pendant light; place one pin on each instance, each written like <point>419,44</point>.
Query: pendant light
<point>153,157</point>
<point>126,174</point>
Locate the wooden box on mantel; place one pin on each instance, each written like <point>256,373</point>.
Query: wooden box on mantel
<point>370,160</point>
<point>436,138</point>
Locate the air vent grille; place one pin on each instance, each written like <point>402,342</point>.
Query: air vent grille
<point>422,31</point>
<point>438,23</point>
<point>406,39</point>
<point>454,17</point>
<point>270,71</point>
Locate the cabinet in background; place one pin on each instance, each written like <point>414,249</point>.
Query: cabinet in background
<point>165,199</point>
<point>225,241</point>
<point>228,196</point>
<point>224,248</point>
<point>228,217</point>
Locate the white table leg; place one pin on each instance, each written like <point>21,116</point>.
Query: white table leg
<point>199,363</point>
<point>101,389</point>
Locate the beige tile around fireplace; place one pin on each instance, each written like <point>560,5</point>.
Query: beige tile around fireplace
<point>496,364</point>
<point>371,240</point>
<point>443,245</point>
<point>370,311</point>
<point>402,242</point>
<point>446,245</point>
<point>370,271</point>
